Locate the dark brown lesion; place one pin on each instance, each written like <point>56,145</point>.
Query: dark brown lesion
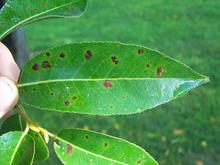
<point>69,149</point>
<point>114,60</point>
<point>67,103</point>
<point>72,8</point>
<point>108,84</point>
<point>46,65</point>
<point>35,67</point>
<point>62,55</point>
<point>160,71</point>
<point>88,54</point>
<point>48,54</point>
<point>140,51</point>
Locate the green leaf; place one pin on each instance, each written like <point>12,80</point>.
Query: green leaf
<point>17,123</point>
<point>78,146</point>
<point>16,148</point>
<point>17,13</point>
<point>104,78</point>
<point>41,150</point>
<point>13,123</point>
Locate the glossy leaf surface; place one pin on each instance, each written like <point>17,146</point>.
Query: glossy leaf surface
<point>16,148</point>
<point>78,146</point>
<point>104,78</point>
<point>13,123</point>
<point>17,123</point>
<point>17,13</point>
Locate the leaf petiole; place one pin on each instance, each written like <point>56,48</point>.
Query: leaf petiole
<point>32,125</point>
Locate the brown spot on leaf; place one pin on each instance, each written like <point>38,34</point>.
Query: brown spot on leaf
<point>74,98</point>
<point>31,6</point>
<point>160,71</point>
<point>140,51</point>
<point>72,8</point>
<point>80,103</point>
<point>2,23</point>
<point>25,11</point>
<point>106,144</point>
<point>139,162</point>
<point>46,65</point>
<point>48,54</point>
<point>34,89</point>
<point>107,84</point>
<point>123,97</point>
<point>51,94</point>
<point>88,54</point>
<point>36,134</point>
<point>87,137</point>
<point>69,149</point>
<point>44,4</point>
<point>148,65</point>
<point>149,62</point>
<point>36,67</point>
<point>114,60</point>
<point>67,12</point>
<point>67,103</point>
<point>62,55</point>
<point>111,107</point>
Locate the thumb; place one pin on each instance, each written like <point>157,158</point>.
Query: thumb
<point>8,95</point>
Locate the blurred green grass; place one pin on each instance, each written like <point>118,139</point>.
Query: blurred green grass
<point>187,30</point>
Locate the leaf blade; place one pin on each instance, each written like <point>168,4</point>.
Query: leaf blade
<point>16,148</point>
<point>104,78</point>
<point>15,14</point>
<point>86,147</point>
<point>17,123</point>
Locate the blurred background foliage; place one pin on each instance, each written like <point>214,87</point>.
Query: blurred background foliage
<point>182,132</point>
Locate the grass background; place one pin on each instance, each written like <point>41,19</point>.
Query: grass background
<point>187,30</point>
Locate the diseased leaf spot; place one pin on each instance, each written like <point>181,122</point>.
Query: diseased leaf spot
<point>67,103</point>
<point>160,71</point>
<point>31,6</point>
<point>74,98</point>
<point>67,12</point>
<point>2,23</point>
<point>139,162</point>
<point>123,97</point>
<point>87,137</point>
<point>140,51</point>
<point>88,54</point>
<point>114,60</point>
<point>62,55</point>
<point>44,4</point>
<point>51,94</point>
<point>107,84</point>
<point>46,65</point>
<point>69,149</point>
<point>34,89</point>
<point>148,65</point>
<point>80,103</point>
<point>72,8</point>
<point>36,67</point>
<point>106,144</point>
<point>111,107</point>
<point>36,134</point>
<point>48,54</point>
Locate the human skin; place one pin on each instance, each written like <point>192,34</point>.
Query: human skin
<point>9,73</point>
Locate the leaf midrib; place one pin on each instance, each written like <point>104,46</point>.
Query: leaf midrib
<point>102,79</point>
<point>17,148</point>
<point>57,138</point>
<point>36,15</point>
